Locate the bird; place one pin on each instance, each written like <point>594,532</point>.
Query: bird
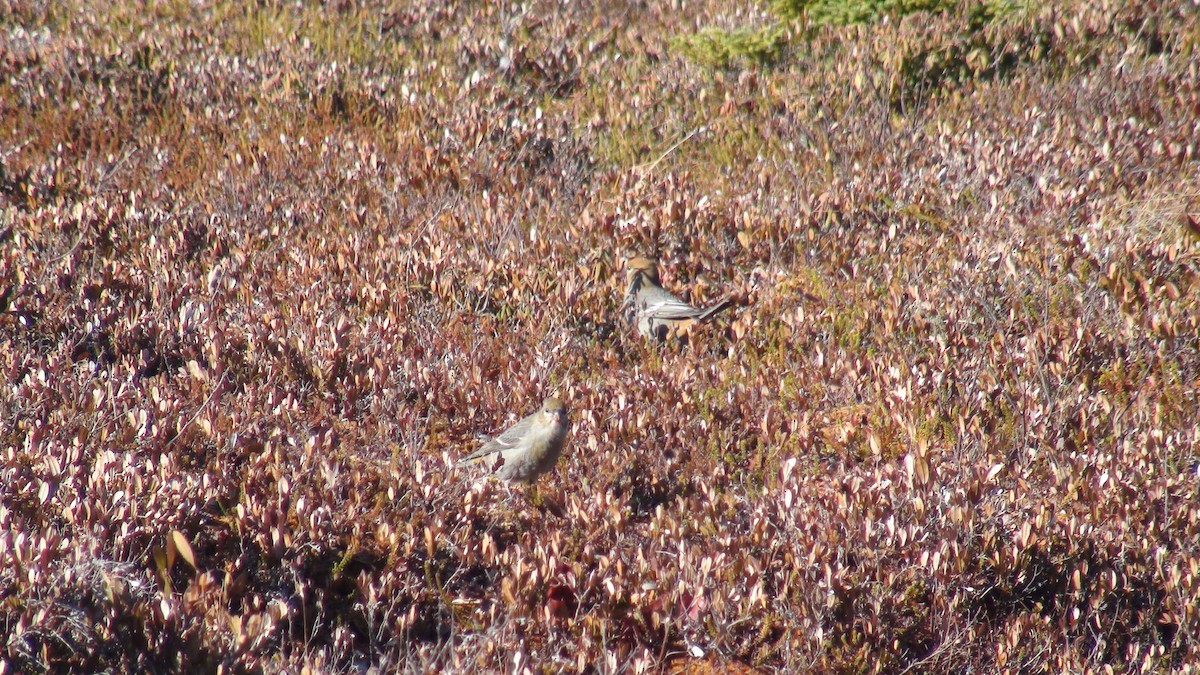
<point>529,448</point>
<point>657,312</point>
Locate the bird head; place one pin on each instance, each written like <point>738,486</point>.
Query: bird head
<point>641,267</point>
<point>554,410</point>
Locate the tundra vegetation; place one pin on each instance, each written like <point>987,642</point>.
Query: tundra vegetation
<point>266,268</point>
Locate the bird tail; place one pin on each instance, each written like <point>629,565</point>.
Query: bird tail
<point>717,307</point>
<point>475,457</point>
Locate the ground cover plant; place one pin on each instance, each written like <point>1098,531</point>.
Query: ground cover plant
<point>266,268</point>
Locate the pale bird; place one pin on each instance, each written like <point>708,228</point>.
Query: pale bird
<point>528,448</point>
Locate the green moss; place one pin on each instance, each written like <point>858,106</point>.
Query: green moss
<point>628,145</point>
<point>718,48</point>
<point>330,36</point>
<point>625,137</point>
<point>1174,406</point>
<point>936,428</point>
<point>352,37</point>
<point>845,12</point>
<point>847,328</point>
<point>1114,381</point>
<point>916,591</point>
<point>733,147</point>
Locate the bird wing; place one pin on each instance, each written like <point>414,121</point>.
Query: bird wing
<point>511,438</point>
<point>661,304</point>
